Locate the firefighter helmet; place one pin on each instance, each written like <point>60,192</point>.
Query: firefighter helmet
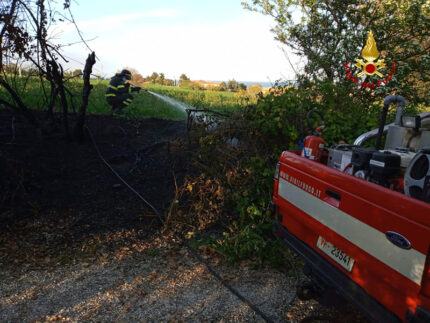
<point>126,74</point>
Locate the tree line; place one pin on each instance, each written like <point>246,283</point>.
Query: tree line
<point>21,70</point>
<point>185,82</point>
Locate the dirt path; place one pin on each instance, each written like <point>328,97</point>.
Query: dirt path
<point>157,282</point>
<point>153,280</point>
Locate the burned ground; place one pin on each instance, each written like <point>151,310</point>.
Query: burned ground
<point>56,193</point>
<point>77,245</point>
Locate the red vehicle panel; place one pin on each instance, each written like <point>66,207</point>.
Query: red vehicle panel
<point>355,216</point>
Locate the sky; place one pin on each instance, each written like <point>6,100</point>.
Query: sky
<point>205,39</point>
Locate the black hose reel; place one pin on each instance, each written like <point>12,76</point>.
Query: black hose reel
<point>417,176</point>
<point>308,118</point>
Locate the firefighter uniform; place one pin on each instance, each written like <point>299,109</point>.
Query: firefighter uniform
<point>118,93</point>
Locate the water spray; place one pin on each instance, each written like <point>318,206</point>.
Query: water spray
<point>178,104</point>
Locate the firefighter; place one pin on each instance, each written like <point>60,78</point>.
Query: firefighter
<point>118,93</point>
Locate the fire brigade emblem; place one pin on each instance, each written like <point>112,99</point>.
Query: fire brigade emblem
<point>370,54</point>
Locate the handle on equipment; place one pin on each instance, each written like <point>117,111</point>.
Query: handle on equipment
<point>401,102</point>
<point>308,118</point>
<point>140,88</point>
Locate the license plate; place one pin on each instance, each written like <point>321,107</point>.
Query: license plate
<point>335,253</point>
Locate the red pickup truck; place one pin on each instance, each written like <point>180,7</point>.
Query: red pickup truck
<point>360,219</point>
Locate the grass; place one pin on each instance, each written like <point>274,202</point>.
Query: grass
<point>31,91</point>
<point>203,99</point>
<point>143,105</point>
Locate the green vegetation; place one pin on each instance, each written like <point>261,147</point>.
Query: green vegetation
<point>186,83</point>
<point>219,101</point>
<point>236,184</point>
<point>158,78</point>
<point>333,33</point>
<point>31,91</point>
<point>144,105</point>
<point>147,105</point>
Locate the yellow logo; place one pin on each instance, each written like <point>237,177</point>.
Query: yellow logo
<point>370,53</point>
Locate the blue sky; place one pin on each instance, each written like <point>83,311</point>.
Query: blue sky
<point>209,40</point>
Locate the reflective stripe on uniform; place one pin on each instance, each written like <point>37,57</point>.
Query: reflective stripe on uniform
<point>126,102</point>
<point>120,86</point>
<point>113,87</point>
<point>110,94</point>
<point>129,100</point>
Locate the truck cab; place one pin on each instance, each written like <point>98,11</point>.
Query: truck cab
<point>360,219</point>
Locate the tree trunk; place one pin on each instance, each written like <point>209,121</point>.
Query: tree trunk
<point>54,93</point>
<point>65,109</point>
<point>80,121</point>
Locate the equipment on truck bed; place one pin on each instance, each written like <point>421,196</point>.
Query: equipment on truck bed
<point>314,144</point>
<point>360,218</point>
<point>388,167</point>
<point>417,177</point>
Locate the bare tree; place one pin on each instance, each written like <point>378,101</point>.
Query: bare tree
<point>24,37</point>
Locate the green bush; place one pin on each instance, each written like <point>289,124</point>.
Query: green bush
<point>237,185</point>
<point>278,120</point>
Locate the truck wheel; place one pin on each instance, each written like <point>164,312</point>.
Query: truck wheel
<point>305,290</point>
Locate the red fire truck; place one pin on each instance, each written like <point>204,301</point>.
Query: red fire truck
<point>360,218</point>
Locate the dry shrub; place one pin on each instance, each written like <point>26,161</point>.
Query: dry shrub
<point>198,204</point>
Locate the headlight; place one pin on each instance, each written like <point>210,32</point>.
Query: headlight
<point>411,122</point>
